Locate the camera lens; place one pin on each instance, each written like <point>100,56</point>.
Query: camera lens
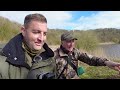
<point>46,76</point>
<point>49,76</point>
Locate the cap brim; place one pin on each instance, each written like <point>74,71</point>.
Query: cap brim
<point>72,39</point>
<point>69,39</point>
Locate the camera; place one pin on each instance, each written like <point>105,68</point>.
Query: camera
<point>46,76</point>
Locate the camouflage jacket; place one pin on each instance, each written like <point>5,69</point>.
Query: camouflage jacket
<point>69,72</point>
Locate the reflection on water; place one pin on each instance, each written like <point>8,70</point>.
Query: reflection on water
<point>112,51</point>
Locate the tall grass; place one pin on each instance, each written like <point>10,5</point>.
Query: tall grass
<point>8,29</point>
<point>86,40</point>
<point>99,52</point>
<point>54,36</point>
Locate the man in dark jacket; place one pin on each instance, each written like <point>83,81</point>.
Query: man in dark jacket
<point>27,56</point>
<point>67,57</point>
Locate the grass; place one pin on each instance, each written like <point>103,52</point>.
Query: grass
<point>99,72</point>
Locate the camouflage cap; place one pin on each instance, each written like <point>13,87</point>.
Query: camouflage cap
<point>68,36</point>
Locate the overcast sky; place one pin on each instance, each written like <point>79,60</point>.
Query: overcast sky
<point>70,20</point>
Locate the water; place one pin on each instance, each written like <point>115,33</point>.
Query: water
<point>112,51</point>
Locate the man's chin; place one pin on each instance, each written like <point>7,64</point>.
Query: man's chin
<point>37,48</point>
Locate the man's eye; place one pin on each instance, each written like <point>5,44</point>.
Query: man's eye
<point>45,34</point>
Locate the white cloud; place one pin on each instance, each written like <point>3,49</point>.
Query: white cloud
<point>62,19</point>
<point>103,19</point>
<point>56,19</point>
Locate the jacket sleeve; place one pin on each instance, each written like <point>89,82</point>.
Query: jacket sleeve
<point>91,60</point>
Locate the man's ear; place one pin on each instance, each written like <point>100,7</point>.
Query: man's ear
<point>23,30</point>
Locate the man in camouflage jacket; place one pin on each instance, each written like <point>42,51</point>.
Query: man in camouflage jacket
<point>67,57</point>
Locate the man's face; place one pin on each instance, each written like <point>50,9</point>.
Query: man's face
<point>68,45</point>
<point>35,34</point>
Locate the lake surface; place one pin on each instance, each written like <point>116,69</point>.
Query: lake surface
<point>111,50</point>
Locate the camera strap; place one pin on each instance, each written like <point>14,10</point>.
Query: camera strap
<point>68,59</point>
<point>62,71</point>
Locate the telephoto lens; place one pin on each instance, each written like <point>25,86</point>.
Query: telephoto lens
<point>46,76</point>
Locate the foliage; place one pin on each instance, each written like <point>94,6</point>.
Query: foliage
<point>108,35</point>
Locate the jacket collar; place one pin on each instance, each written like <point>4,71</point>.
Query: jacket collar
<point>14,52</point>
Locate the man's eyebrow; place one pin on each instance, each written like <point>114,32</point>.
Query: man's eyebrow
<point>35,30</point>
<point>46,32</point>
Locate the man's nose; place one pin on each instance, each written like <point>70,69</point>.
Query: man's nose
<point>41,37</point>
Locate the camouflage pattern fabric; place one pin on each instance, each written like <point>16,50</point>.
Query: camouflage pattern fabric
<point>69,72</point>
